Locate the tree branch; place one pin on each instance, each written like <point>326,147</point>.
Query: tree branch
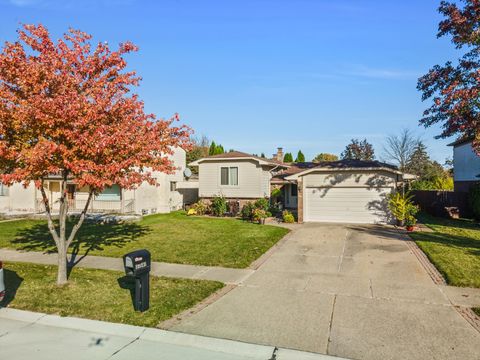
<point>80,220</point>
<point>51,226</point>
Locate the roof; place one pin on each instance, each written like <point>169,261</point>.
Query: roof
<point>462,140</point>
<point>238,155</point>
<point>341,165</point>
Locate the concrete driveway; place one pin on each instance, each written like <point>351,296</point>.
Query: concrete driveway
<point>347,290</point>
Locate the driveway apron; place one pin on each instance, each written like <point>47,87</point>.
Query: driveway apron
<point>354,291</point>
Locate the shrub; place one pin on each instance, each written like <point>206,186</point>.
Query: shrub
<point>474,200</point>
<point>276,193</point>
<point>259,215</point>
<point>288,217</point>
<point>263,204</point>
<point>219,206</point>
<point>191,212</point>
<point>247,211</point>
<point>200,207</point>
<point>402,207</point>
<point>411,211</point>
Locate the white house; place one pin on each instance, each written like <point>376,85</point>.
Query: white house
<point>350,191</point>
<point>236,175</point>
<point>146,199</point>
<point>466,164</point>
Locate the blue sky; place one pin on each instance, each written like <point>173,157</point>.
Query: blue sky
<point>257,74</point>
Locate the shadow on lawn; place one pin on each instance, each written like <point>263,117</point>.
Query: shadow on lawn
<point>12,283</point>
<point>91,236</point>
<point>468,245</point>
<point>128,283</point>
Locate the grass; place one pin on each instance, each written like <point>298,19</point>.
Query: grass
<point>99,294</point>
<point>174,238</point>
<point>453,247</point>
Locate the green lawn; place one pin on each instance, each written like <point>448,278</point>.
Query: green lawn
<point>173,237</point>
<point>99,294</point>
<point>454,248</point>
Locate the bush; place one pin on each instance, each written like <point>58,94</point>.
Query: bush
<point>263,204</point>
<point>200,208</point>
<point>219,206</point>
<point>247,211</point>
<point>402,207</point>
<point>191,212</point>
<point>259,215</point>
<point>474,200</point>
<point>288,217</point>
<point>276,193</point>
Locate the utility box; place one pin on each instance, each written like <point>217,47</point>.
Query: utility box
<point>138,264</point>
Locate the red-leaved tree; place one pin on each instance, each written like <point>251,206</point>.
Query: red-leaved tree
<point>66,108</point>
<point>454,88</point>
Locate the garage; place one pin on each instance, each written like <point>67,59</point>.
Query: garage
<point>346,204</point>
<point>346,191</point>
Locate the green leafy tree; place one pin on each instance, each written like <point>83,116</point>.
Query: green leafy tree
<point>288,158</point>
<point>431,174</point>
<point>300,157</point>
<point>213,148</point>
<point>358,150</point>
<point>325,157</point>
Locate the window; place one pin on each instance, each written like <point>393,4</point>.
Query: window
<point>3,190</point>
<point>294,190</point>
<point>173,186</point>
<point>229,176</point>
<point>113,193</point>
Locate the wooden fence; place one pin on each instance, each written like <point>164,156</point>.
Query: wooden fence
<point>438,203</point>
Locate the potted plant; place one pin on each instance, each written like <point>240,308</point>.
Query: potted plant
<point>410,219</point>
<point>260,215</point>
<point>399,204</point>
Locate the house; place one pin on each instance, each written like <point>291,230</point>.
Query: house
<point>236,175</point>
<point>349,191</point>
<point>466,164</point>
<point>145,199</point>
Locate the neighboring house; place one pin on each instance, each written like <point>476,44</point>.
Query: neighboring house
<point>466,164</point>
<point>146,199</point>
<point>347,191</point>
<point>236,175</point>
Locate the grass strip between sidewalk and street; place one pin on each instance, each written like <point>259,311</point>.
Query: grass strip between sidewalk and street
<point>99,294</point>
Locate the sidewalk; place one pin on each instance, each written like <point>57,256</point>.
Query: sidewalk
<point>27,335</point>
<point>226,275</point>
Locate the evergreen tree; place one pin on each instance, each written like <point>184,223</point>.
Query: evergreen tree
<point>212,149</point>
<point>300,157</point>
<point>219,150</point>
<point>262,155</point>
<point>288,158</point>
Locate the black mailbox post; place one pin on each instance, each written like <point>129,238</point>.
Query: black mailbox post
<point>137,264</point>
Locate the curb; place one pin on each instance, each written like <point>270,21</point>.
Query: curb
<point>230,347</point>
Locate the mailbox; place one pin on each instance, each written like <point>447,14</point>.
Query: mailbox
<point>137,264</point>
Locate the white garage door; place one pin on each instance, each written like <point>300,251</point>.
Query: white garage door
<point>346,204</point>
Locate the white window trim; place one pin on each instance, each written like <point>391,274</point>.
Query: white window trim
<point>229,177</point>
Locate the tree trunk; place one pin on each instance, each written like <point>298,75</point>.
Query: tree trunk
<point>59,237</point>
<point>62,264</point>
